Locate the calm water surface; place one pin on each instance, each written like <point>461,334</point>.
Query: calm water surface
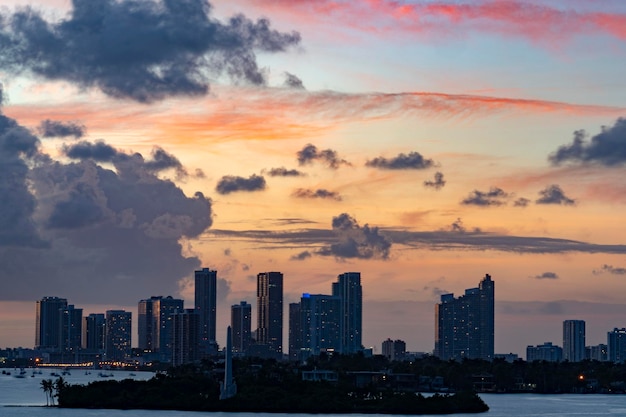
<point>24,398</point>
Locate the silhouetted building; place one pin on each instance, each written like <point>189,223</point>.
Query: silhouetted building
<point>94,326</point>
<point>70,328</point>
<point>616,341</point>
<point>394,350</point>
<point>574,340</point>
<point>162,310</point>
<point>47,325</point>
<point>597,353</point>
<point>270,311</point>
<point>206,306</point>
<point>464,326</point>
<point>241,323</point>
<point>348,289</point>
<point>145,325</point>
<point>118,334</point>
<point>295,332</point>
<point>185,336</point>
<point>320,318</point>
<point>546,352</point>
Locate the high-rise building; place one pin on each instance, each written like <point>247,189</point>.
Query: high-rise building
<point>93,332</point>
<point>70,328</point>
<point>295,332</point>
<point>241,324</point>
<point>598,353</point>
<point>185,337</point>
<point>574,340</point>
<point>394,350</point>
<point>320,323</point>
<point>47,325</point>
<point>616,341</point>
<point>348,289</point>
<point>162,310</point>
<point>118,334</point>
<point>270,311</point>
<point>145,324</point>
<point>546,352</point>
<point>206,305</point>
<point>464,326</point>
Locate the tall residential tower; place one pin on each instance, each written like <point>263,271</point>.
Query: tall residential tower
<point>270,311</point>
<point>206,306</point>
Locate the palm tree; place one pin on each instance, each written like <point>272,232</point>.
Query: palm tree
<point>59,385</point>
<point>46,386</point>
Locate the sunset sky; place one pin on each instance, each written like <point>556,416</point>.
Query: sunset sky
<point>421,143</point>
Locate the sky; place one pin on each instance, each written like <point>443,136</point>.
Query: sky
<point>421,143</point>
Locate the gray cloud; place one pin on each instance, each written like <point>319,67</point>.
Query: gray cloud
<point>493,197</point>
<point>310,153</point>
<point>521,202</point>
<point>355,241</point>
<point>292,81</point>
<point>98,151</point>
<point>284,172</point>
<point>547,275</point>
<point>610,269</point>
<point>162,160</point>
<point>319,193</point>
<point>413,160</point>
<point>231,183</point>
<point>437,183</point>
<point>607,148</point>
<point>553,194</point>
<point>55,129</point>
<point>301,256</point>
<point>144,51</point>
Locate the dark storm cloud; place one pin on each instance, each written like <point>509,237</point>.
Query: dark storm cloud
<point>493,197</point>
<point>231,183</point>
<point>292,81</point>
<point>81,209</point>
<point>310,153</point>
<point>547,275</point>
<point>284,172</point>
<point>521,202</point>
<point>414,160</point>
<point>355,241</point>
<point>98,151</point>
<point>437,183</point>
<point>607,148</point>
<point>17,227</point>
<point>55,129</point>
<point>140,50</point>
<point>610,269</point>
<point>301,256</point>
<point>319,193</point>
<point>553,194</point>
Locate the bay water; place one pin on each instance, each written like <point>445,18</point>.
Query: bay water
<point>23,397</point>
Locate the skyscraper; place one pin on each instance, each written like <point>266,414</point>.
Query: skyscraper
<point>162,310</point>
<point>185,337</point>
<point>47,325</point>
<point>93,332</point>
<point>206,305</point>
<point>70,328</point>
<point>295,332</point>
<point>616,345</point>
<point>270,311</point>
<point>320,323</point>
<point>348,289</point>
<point>145,324</point>
<point>574,340</point>
<point>464,326</point>
<point>241,323</point>
<point>118,334</point>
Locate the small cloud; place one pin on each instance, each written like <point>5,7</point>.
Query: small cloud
<point>413,160</point>
<point>521,202</point>
<point>163,160</point>
<point>284,172</point>
<point>227,252</point>
<point>230,184</point>
<point>319,193</point>
<point>98,151</point>
<point>199,173</point>
<point>610,269</point>
<point>554,195</point>
<point>245,267</point>
<point>301,256</point>
<point>55,129</point>
<point>547,275</point>
<point>458,227</point>
<point>292,81</point>
<point>355,241</point>
<point>438,183</point>
<point>493,197</point>
<point>310,153</point>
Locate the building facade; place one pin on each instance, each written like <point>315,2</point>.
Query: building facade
<point>295,332</point>
<point>145,325</point>
<point>465,326</point>
<point>206,305</point>
<point>394,350</point>
<point>48,323</point>
<point>241,327</point>
<point>546,352</point>
<point>348,289</point>
<point>616,345</point>
<point>270,311</point>
<point>163,309</point>
<point>118,334</point>
<point>185,337</point>
<point>320,324</point>
<point>93,332</point>
<point>70,329</point>
<point>574,340</point>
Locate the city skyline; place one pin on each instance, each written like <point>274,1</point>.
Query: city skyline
<point>423,143</point>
